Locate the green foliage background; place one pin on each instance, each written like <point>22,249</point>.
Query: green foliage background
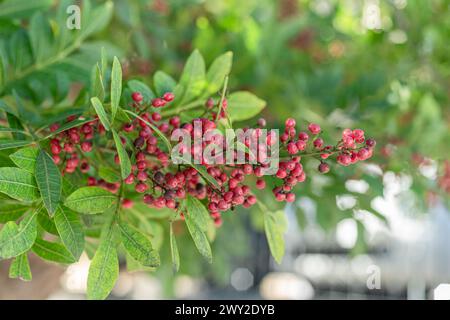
<point>316,63</point>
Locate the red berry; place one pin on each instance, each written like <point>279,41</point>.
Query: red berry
<point>280,197</point>
<point>324,167</point>
<point>260,184</point>
<point>290,197</point>
<point>129,179</point>
<point>86,146</point>
<point>141,187</point>
<point>261,122</point>
<point>290,123</point>
<point>318,143</point>
<point>248,169</point>
<point>54,127</point>
<point>314,128</point>
<point>292,148</point>
<point>251,199</point>
<point>301,145</point>
<point>156,116</point>
<point>56,149</point>
<point>168,96</point>
<point>56,159</point>
<point>127,203</point>
<point>137,97</point>
<point>303,136</point>
<point>175,122</point>
<point>344,159</point>
<point>371,143</point>
<point>158,102</point>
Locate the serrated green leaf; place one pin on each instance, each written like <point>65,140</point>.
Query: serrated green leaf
<point>17,239</point>
<point>192,78</point>
<point>10,211</point>
<point>197,212</point>
<point>98,106</point>
<point>9,144</point>
<point>163,83</point>
<point>125,163</point>
<point>174,251</point>
<point>274,230</point>
<point>199,237</point>
<point>138,245</point>
<point>116,86</point>
<point>52,251</point>
<point>243,105</point>
<point>217,72</point>
<point>138,86</point>
<point>70,230</point>
<point>18,184</point>
<point>20,268</point>
<point>49,182</point>
<point>90,200</point>
<point>104,268</point>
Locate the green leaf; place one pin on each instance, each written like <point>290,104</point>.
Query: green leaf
<point>193,77</point>
<point>2,74</point>
<point>69,125</point>
<point>90,200</point>
<point>20,268</point>
<point>198,212</point>
<point>22,8</point>
<point>8,129</point>
<point>138,245</point>
<point>14,121</point>
<point>52,251</point>
<point>104,268</point>
<point>49,181</point>
<point>163,83</point>
<point>98,89</point>
<point>70,230</point>
<point>108,174</point>
<point>125,164</point>
<point>154,128</point>
<point>199,237</point>
<point>116,86</point>
<point>217,72</point>
<point>18,184</point>
<point>11,211</point>
<point>98,106</point>
<point>9,144</point>
<point>25,158</point>
<point>275,226</point>
<point>40,35</point>
<point>138,86</point>
<point>174,251</point>
<point>45,222</point>
<point>17,239</point>
<point>103,62</point>
<point>243,105</point>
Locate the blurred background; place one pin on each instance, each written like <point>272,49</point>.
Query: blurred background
<point>378,230</point>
